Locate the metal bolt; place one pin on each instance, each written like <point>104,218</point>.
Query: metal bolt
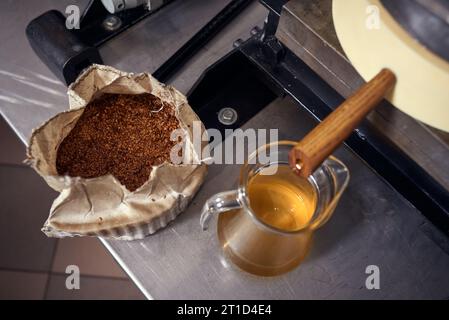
<point>77,48</point>
<point>227,116</point>
<point>112,23</point>
<point>255,31</point>
<point>237,43</point>
<point>274,50</point>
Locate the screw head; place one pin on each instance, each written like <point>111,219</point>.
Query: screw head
<point>237,43</point>
<point>255,31</point>
<point>112,23</point>
<point>227,116</point>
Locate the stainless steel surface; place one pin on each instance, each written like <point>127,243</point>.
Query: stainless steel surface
<point>306,28</point>
<point>372,225</point>
<point>318,44</point>
<point>154,4</point>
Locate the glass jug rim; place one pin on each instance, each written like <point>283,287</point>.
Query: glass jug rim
<point>243,195</point>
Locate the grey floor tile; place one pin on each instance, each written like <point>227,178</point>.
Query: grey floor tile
<point>93,288</point>
<point>89,255</point>
<point>25,202</point>
<point>12,149</point>
<point>22,285</point>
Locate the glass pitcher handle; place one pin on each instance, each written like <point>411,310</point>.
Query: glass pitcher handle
<point>221,202</point>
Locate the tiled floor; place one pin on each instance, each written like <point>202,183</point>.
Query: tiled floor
<point>33,266</point>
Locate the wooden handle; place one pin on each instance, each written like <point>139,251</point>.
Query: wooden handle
<point>319,143</point>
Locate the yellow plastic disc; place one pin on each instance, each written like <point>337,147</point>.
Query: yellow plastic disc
<point>373,40</point>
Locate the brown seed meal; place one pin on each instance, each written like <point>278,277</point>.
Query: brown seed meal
<point>119,134</point>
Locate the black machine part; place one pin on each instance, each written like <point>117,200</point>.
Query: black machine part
<point>59,48</point>
<point>67,52</point>
<point>200,39</point>
<point>425,20</point>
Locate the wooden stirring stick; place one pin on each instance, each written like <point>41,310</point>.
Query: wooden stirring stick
<point>319,143</point>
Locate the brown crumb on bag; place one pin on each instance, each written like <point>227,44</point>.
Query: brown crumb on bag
<point>119,134</point>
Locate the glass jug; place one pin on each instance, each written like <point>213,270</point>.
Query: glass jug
<point>253,242</point>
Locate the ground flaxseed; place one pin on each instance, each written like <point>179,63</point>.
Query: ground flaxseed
<point>118,134</point>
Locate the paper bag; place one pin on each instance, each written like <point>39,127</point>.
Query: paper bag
<point>102,206</point>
